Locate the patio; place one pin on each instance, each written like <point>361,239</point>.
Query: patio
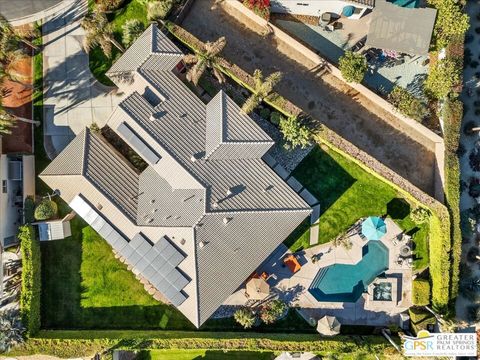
<point>383,73</point>
<point>293,288</point>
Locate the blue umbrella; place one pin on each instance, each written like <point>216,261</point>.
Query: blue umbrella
<point>374,228</point>
<point>348,11</point>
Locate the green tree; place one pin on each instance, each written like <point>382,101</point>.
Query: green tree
<point>353,66</point>
<point>45,210</point>
<point>205,58</point>
<point>451,21</point>
<point>158,9</point>
<point>420,215</point>
<point>245,317</point>
<point>408,104</point>
<point>273,311</point>
<point>294,132</point>
<point>99,32</point>
<point>11,35</point>
<point>443,78</point>
<point>262,88</point>
<point>132,29</point>
<point>108,5</point>
<point>7,120</point>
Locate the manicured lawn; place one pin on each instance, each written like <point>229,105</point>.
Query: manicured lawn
<point>347,193</point>
<point>99,63</point>
<point>84,286</point>
<point>203,354</point>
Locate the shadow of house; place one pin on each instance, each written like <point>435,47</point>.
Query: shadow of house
<point>398,209</point>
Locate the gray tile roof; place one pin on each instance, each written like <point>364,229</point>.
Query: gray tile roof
<point>235,183</point>
<point>70,160</point>
<point>401,29</point>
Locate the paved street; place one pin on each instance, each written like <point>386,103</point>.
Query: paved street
<point>73,99</point>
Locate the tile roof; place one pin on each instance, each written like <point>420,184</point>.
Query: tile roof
<point>232,201</point>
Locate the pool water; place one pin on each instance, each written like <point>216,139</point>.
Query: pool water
<point>382,291</point>
<point>405,3</point>
<point>346,283</point>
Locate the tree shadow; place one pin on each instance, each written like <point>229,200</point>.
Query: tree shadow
<point>398,209</point>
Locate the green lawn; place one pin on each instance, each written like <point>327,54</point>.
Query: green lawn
<point>347,193</point>
<point>203,354</point>
<point>99,63</point>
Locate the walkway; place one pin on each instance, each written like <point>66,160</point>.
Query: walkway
<point>73,99</point>
<point>328,99</point>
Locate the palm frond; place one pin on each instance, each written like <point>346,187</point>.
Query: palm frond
<point>267,87</point>
<point>257,79</point>
<point>219,75</point>
<point>215,48</point>
<point>190,59</point>
<point>252,102</point>
<point>196,72</point>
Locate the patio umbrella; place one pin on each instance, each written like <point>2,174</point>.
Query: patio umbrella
<point>257,289</point>
<point>374,228</point>
<point>348,11</point>
<point>328,326</point>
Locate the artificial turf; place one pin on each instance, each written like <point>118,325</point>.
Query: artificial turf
<point>347,193</point>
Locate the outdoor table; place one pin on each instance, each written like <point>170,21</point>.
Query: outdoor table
<point>405,251</point>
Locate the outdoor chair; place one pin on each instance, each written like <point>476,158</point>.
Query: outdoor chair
<point>337,25</point>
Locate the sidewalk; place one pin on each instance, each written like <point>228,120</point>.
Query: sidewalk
<point>73,99</point>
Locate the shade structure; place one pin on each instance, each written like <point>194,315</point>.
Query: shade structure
<point>257,289</point>
<point>328,326</point>
<point>348,11</point>
<point>374,228</point>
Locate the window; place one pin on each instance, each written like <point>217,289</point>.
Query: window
<point>4,186</point>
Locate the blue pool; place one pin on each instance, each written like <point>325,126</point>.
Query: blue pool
<point>346,283</point>
<point>405,3</point>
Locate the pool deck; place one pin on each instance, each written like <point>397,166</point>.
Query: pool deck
<point>293,288</point>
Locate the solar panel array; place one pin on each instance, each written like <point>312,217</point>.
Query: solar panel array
<point>138,144</point>
<point>157,263</point>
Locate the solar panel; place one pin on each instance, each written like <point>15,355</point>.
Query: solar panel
<point>180,283</point>
<point>138,144</point>
<point>134,258</point>
<point>178,299</point>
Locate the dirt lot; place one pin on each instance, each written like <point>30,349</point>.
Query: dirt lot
<point>325,97</point>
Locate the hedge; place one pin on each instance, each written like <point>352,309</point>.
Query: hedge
<point>420,292</point>
<point>31,279</point>
<point>420,318</point>
<point>353,346</point>
<point>28,210</point>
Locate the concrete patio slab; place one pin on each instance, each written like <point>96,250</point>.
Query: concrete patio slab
<point>308,197</point>
<point>294,184</point>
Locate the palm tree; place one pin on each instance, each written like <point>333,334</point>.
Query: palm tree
<point>7,120</point>
<point>262,88</point>
<point>11,35</point>
<point>206,58</point>
<point>99,32</point>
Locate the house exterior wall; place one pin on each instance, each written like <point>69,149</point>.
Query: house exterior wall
<point>313,7</point>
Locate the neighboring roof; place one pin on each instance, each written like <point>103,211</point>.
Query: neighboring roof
<point>235,208</point>
<point>405,30</point>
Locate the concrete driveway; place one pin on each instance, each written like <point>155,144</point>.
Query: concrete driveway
<point>322,95</point>
<point>73,98</point>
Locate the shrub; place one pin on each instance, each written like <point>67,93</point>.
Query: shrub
<point>444,76</point>
<point>420,318</point>
<point>245,317</point>
<point>265,113</point>
<point>31,279</point>
<point>259,7</point>
<point>273,311</point>
<point>451,21</point>
<point>47,209</point>
<point>294,132</point>
<point>420,215</point>
<point>132,29</point>
<point>11,330</point>
<point>473,313</point>
<point>28,210</point>
<point>275,118</point>
<point>420,292</point>
<point>353,66</point>
<point>108,5</point>
<point>408,104</point>
<point>159,9</point>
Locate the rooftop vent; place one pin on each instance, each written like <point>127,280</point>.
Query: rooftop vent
<point>152,117</point>
<point>183,241</point>
<point>215,205</point>
<point>226,220</point>
<point>201,244</point>
<point>99,206</point>
<point>229,192</point>
<point>152,201</point>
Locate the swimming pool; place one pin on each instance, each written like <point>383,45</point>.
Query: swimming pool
<point>346,283</point>
<point>405,3</point>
